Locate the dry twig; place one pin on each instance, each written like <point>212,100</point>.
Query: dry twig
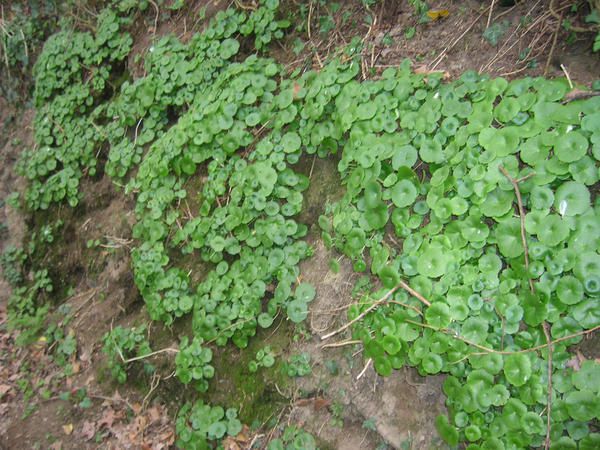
<point>414,293</point>
<point>363,314</point>
<point>362,372</point>
<point>555,39</point>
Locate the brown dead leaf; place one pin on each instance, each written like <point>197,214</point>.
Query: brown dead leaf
<point>244,435</point>
<point>230,444</point>
<point>75,368</point>
<point>317,403</point>
<point>88,430</point>
<point>68,429</point>
<point>4,388</point>
<point>56,446</point>
<point>109,417</point>
<point>321,403</point>
<point>576,361</point>
<point>137,408</point>
<point>154,414</point>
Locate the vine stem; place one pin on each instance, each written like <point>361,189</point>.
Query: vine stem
<point>545,327</point>
<point>362,314</point>
<point>503,352</point>
<point>515,184</point>
<point>549,402</point>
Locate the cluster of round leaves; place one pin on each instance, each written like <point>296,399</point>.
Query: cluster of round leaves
<point>123,343</point>
<point>198,425</point>
<point>264,358</point>
<point>192,363</point>
<point>244,208</point>
<point>72,72</point>
<point>298,365</point>
<point>429,156</point>
<point>427,201</point>
<point>175,74</point>
<point>293,438</point>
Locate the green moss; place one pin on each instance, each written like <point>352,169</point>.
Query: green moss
<point>254,394</point>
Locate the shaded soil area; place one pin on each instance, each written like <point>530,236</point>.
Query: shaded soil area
<point>344,403</point>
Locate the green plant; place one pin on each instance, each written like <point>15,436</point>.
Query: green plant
<point>27,309</point>
<point>264,358</point>
<point>429,165</point>
<point>594,18</point>
<point>293,438</point>
<point>337,414</point>
<point>92,243</point>
<point>11,261</point>
<point>198,425</point>
<point>25,26</point>
<point>298,365</point>
<point>192,363</point>
<point>121,344</point>
<point>370,424</point>
<point>494,32</point>
<point>476,315</point>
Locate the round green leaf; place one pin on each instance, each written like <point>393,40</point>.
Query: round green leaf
<point>554,231</point>
<point>582,405</point>
<point>403,193</point>
<point>588,376</point>
<point>508,237</point>
<point>517,369</point>
<point>438,315</point>
<point>572,199</point>
<point>569,290</point>
<point>297,311</point>
<point>432,363</point>
<point>571,147</point>
<point>432,263</point>
<point>389,277</point>
<point>305,292</point>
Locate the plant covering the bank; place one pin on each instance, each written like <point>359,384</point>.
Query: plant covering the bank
<point>429,170</point>
<point>121,344</point>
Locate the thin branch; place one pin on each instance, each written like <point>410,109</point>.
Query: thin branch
<point>489,19</point>
<point>414,293</point>
<point>515,184</point>
<point>555,39</point>
<point>501,352</point>
<point>362,372</point>
<point>138,358</point>
<point>363,314</point>
<point>342,343</point>
<point>564,69</point>
<point>310,9</point>
<point>549,405</point>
